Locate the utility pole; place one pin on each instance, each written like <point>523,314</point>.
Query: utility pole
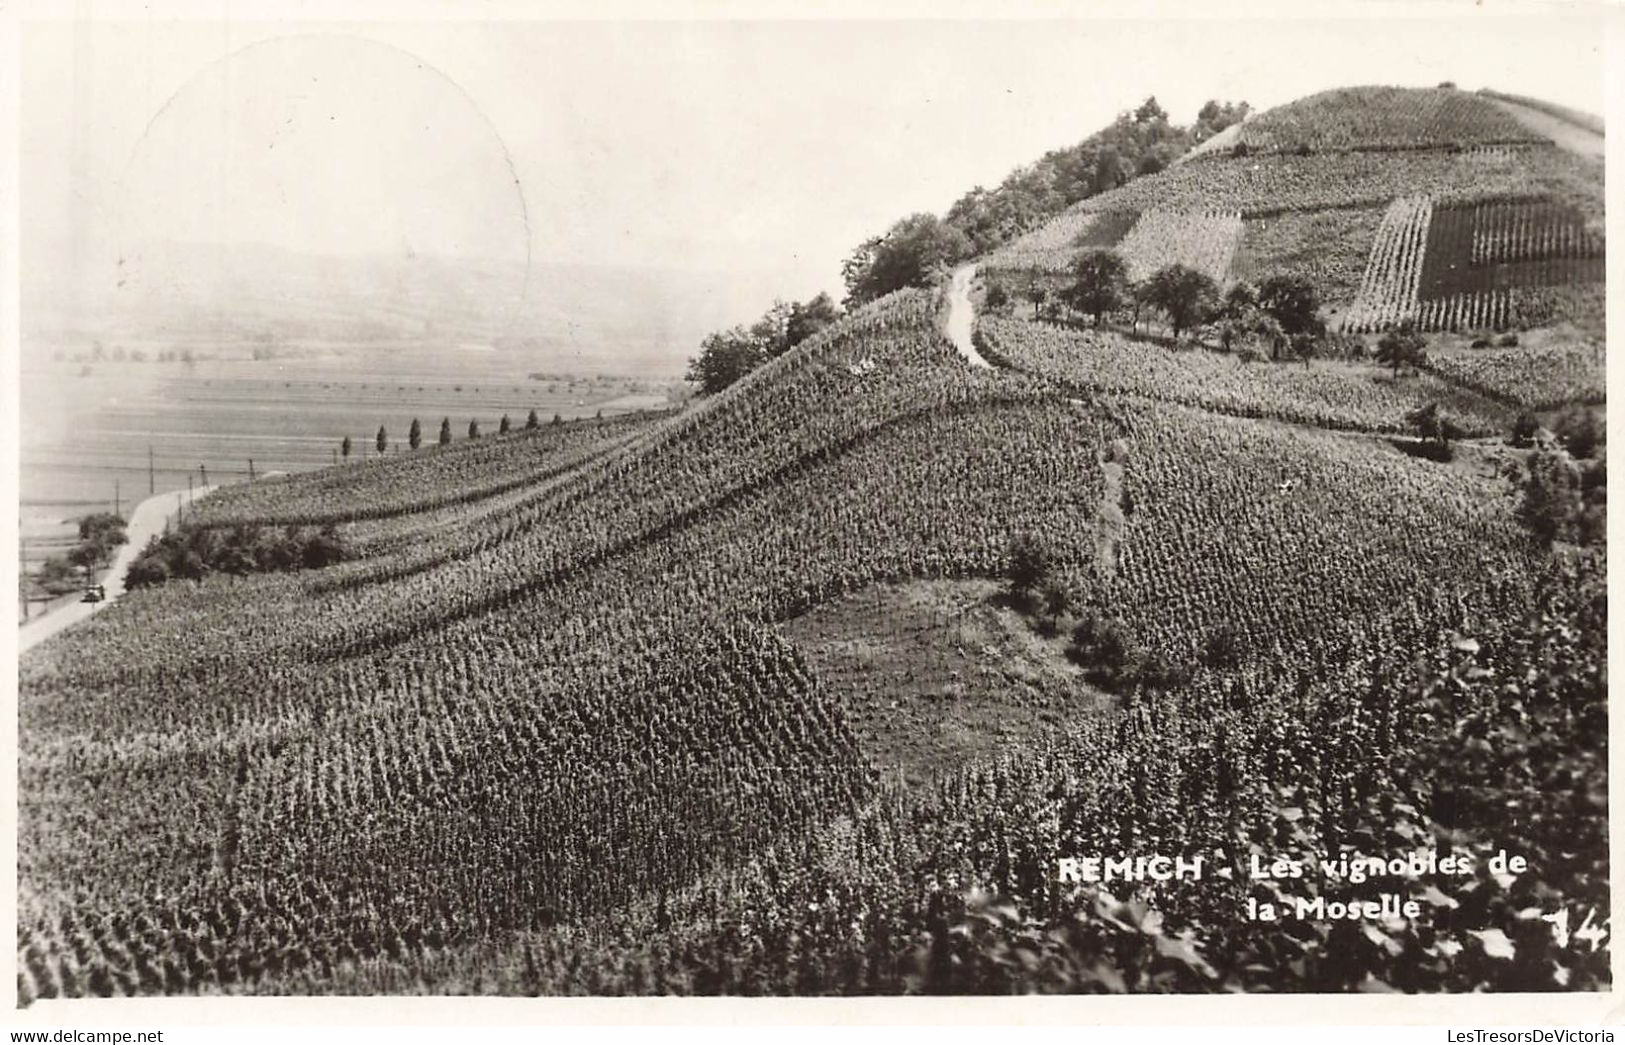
<point>188,494</point>
<point>116,500</point>
<point>204,471</point>
<point>152,486</point>
<point>250,469</point>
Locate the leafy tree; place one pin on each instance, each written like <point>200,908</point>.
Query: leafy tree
<point>532,422</point>
<point>85,555</point>
<point>1524,429</point>
<point>103,531</point>
<point>1104,648</point>
<point>915,252</point>
<point>344,448</point>
<point>414,435</point>
<point>1100,283</point>
<point>725,357</point>
<point>1215,116</point>
<point>473,429</point>
<point>1240,300</point>
<point>445,431</point>
<point>1551,500</point>
<point>558,419</point>
<point>146,569</point>
<point>1187,296</point>
<point>772,331</point>
<point>1294,303</point>
<point>1029,564</point>
<point>504,426</point>
<point>382,442</point>
<point>1402,346</point>
<point>1580,430</point>
<point>1055,597</point>
<point>997,299</point>
<point>808,318</point>
<point>1038,294</point>
<point>1433,426</point>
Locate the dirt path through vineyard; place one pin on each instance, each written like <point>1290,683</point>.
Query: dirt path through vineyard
<point>1109,524</point>
<point>146,522</point>
<point>962,315</point>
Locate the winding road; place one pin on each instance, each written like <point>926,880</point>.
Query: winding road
<point>962,315</point>
<point>146,522</point>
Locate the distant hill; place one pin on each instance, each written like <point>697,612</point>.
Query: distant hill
<point>1454,209</point>
<point>234,299</point>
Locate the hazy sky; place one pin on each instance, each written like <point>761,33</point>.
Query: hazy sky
<point>765,149</point>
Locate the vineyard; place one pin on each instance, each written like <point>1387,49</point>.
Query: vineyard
<point>1327,395</point>
<point>1390,291</point>
<point>1204,242</point>
<point>1535,378</point>
<point>1275,184</point>
<point>1328,248</point>
<point>1434,206</point>
<point>1457,267</point>
<point>1051,247</point>
<point>1383,118</point>
<point>557,725</point>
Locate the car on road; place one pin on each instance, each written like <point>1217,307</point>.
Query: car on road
<point>94,593</point>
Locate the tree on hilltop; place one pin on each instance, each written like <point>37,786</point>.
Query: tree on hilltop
<point>382,442</point>
<point>474,429</point>
<point>1187,296</point>
<point>344,448</point>
<point>1215,116</point>
<point>1100,283</point>
<point>445,431</point>
<point>809,317</point>
<point>914,252</point>
<point>725,357</point>
<point>414,435</point>
<point>504,426</point>
<point>532,422</point>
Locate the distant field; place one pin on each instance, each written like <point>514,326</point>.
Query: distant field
<point>87,427</point>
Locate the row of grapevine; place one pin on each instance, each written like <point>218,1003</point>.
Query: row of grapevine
<point>1202,241</point>
<point>1538,378</point>
<point>1327,395</point>
<point>1052,247</point>
<point>1473,310</point>
<point>429,478</point>
<point>1529,232</point>
<point>1276,184</point>
<point>1393,275</point>
<point>1384,118</point>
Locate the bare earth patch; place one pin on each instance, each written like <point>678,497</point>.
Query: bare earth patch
<point>939,674</point>
<point>1565,134</point>
<point>1109,523</point>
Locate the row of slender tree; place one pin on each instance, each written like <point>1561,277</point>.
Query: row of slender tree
<point>414,435</point>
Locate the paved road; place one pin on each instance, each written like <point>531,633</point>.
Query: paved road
<point>146,522</point>
<point>962,316</point>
